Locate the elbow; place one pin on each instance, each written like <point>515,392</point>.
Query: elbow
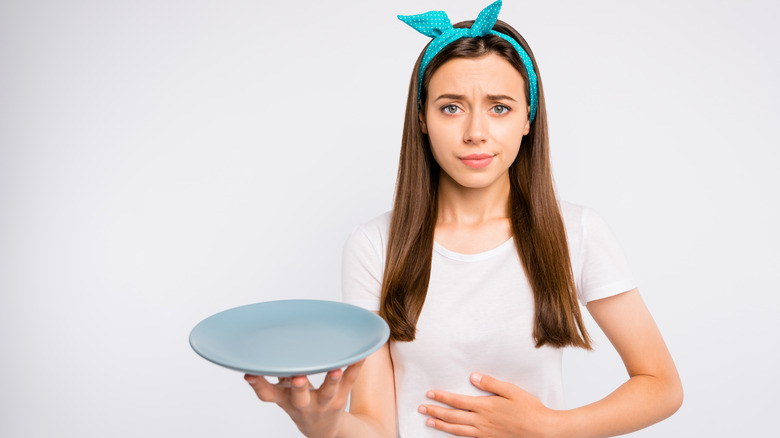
<point>677,397</point>
<point>674,395</point>
<point>667,395</point>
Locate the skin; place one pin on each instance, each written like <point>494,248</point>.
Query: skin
<point>321,413</point>
<point>478,106</point>
<point>475,106</point>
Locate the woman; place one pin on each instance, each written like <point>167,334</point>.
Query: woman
<point>478,269</point>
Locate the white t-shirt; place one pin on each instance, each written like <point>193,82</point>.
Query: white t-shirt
<point>479,312</point>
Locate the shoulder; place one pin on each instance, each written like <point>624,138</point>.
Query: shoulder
<point>583,227</point>
<point>581,222</point>
<point>370,236</point>
<point>598,263</point>
<point>376,229</point>
<point>379,225</point>
<point>569,211</point>
<point>575,217</point>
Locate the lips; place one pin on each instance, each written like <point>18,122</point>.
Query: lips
<point>477,160</point>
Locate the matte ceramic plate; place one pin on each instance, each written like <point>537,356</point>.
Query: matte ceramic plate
<point>289,337</point>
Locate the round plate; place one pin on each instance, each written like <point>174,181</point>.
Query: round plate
<point>289,337</point>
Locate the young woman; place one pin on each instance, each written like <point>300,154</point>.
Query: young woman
<point>478,271</point>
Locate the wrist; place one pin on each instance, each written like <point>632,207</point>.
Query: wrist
<point>357,425</point>
<point>331,428</point>
<point>561,424</point>
<point>343,426</point>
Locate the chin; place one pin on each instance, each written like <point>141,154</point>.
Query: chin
<point>475,183</point>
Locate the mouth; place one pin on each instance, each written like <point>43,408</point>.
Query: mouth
<point>477,160</point>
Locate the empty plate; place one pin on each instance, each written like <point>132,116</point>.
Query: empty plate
<point>289,337</point>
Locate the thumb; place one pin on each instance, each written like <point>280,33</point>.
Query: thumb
<point>491,384</point>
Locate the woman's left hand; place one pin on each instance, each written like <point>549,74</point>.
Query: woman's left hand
<point>511,412</point>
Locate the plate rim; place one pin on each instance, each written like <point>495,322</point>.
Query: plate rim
<point>383,338</point>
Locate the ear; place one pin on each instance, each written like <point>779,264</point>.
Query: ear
<point>527,127</point>
<point>423,126</point>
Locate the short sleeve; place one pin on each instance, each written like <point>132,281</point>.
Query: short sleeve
<point>603,269</point>
<point>362,266</point>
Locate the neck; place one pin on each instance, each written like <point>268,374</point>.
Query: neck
<point>472,206</point>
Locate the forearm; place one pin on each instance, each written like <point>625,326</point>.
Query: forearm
<point>363,426</point>
<point>641,401</point>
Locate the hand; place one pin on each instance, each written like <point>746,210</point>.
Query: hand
<point>317,413</point>
<point>511,412</point>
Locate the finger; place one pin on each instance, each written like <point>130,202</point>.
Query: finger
<point>452,429</point>
<point>459,401</point>
<point>300,396</point>
<point>263,388</point>
<point>349,377</point>
<point>452,416</point>
<point>491,384</point>
<point>286,382</point>
<point>329,387</point>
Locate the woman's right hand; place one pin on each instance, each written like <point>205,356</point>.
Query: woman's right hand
<point>317,413</point>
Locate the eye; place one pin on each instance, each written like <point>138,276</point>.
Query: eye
<point>450,109</point>
<point>501,109</point>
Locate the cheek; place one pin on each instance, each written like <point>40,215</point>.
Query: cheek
<point>511,137</point>
<point>513,155</point>
<point>441,140</point>
<point>436,151</point>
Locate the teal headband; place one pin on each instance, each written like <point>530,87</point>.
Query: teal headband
<point>436,25</point>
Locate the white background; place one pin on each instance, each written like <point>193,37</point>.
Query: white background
<point>164,160</point>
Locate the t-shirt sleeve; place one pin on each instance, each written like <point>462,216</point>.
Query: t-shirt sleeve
<point>362,270</point>
<point>604,271</point>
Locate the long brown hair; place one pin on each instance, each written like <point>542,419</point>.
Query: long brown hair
<point>537,225</point>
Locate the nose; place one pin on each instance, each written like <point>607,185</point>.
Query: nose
<point>476,131</point>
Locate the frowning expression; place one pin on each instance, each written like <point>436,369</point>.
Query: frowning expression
<point>476,116</point>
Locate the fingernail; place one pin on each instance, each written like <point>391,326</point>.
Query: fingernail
<point>430,422</point>
<point>422,410</point>
<point>476,377</point>
<point>251,380</point>
<point>431,395</point>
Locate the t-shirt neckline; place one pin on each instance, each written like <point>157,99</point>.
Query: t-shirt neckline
<point>509,244</point>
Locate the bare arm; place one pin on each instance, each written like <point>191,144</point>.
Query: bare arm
<point>653,391</point>
<point>372,400</point>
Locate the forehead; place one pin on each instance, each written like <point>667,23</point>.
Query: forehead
<point>490,74</point>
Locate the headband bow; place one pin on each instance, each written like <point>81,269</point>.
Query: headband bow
<point>437,25</point>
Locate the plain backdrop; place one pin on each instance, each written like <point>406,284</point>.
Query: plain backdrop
<point>164,160</point>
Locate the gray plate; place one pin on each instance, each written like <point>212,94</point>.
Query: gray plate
<point>289,337</point>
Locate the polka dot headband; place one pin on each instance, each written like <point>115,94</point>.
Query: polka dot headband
<point>436,25</point>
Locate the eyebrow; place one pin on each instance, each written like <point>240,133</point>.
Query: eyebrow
<point>490,97</point>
